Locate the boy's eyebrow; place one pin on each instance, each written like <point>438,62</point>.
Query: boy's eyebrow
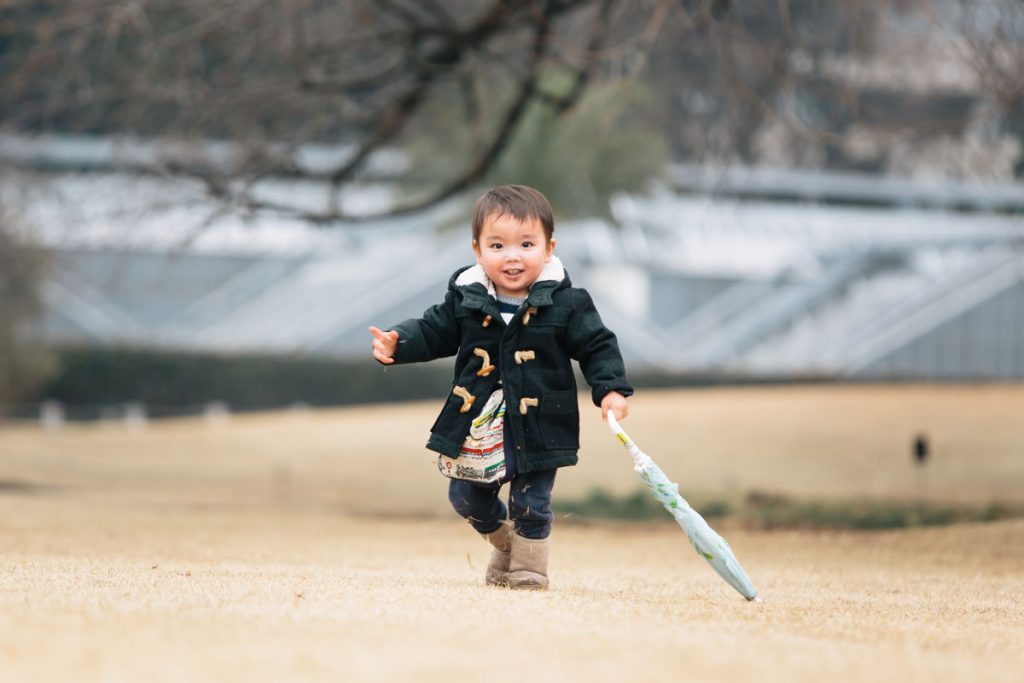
<point>525,235</point>
<point>524,238</point>
<point>490,237</point>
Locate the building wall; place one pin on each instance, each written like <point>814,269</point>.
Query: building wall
<point>985,342</point>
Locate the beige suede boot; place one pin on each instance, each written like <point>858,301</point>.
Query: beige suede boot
<point>497,568</point>
<point>529,567</point>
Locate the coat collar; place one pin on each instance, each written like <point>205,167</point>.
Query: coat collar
<point>478,289</point>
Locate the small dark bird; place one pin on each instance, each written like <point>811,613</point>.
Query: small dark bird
<point>920,449</point>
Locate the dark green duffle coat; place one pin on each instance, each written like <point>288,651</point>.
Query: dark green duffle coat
<point>531,356</point>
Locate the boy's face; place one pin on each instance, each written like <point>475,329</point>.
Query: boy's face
<point>512,253</point>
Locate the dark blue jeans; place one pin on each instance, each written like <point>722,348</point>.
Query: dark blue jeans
<point>529,504</point>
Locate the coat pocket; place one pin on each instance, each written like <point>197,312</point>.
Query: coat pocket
<point>560,420</point>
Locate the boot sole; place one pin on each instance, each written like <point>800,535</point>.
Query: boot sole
<point>537,582</point>
<point>528,587</point>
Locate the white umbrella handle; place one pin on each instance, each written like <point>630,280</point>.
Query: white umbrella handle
<point>640,459</point>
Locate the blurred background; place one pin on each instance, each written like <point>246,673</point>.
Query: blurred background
<point>804,220</point>
<point>203,206</point>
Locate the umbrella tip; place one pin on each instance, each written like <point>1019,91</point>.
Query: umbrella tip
<point>756,598</point>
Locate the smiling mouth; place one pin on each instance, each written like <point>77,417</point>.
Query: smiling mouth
<point>513,272</point>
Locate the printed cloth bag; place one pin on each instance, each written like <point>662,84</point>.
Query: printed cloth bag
<point>482,456</point>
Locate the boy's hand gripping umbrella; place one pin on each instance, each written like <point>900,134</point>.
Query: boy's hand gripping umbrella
<point>705,541</point>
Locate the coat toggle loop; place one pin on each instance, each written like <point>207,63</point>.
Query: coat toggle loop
<point>523,356</point>
<point>467,398</point>
<point>532,310</point>
<point>525,403</point>
<point>486,368</point>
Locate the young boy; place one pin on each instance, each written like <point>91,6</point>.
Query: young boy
<point>515,321</point>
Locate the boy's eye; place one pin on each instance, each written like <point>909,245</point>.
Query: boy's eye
<point>527,245</point>
<point>496,245</point>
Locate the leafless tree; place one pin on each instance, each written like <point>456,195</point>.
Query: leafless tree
<point>368,76</point>
<point>993,38</point>
<point>272,77</point>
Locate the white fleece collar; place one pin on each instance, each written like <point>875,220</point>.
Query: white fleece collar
<point>553,270</point>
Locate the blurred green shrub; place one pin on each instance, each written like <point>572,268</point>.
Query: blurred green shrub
<point>637,506</point>
<point>767,511</point>
<point>579,158</point>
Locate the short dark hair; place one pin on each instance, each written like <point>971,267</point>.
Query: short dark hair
<point>519,201</point>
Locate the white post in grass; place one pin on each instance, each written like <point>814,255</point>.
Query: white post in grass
<point>216,413</point>
<point>135,417</point>
<point>51,415</point>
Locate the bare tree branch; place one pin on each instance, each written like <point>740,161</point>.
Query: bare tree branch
<point>483,161</point>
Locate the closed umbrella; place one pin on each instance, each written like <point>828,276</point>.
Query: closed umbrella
<point>704,539</point>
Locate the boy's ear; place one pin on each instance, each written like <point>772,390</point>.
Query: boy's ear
<point>551,250</point>
<point>476,250</point>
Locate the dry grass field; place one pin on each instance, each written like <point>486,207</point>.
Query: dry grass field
<point>318,546</point>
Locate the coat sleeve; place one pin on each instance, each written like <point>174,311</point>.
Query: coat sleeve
<point>596,349</point>
<point>435,335</point>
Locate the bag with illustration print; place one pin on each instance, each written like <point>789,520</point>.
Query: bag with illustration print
<point>481,458</point>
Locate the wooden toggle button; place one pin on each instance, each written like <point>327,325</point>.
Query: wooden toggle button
<point>525,403</point>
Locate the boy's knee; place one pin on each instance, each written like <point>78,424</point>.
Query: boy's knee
<point>460,501</point>
<point>480,507</point>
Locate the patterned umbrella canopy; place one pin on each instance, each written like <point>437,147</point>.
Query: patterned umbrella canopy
<point>704,539</point>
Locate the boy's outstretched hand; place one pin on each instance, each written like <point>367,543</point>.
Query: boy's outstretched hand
<point>384,344</point>
<point>615,402</point>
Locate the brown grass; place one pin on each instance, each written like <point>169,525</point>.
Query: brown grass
<point>257,551</point>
